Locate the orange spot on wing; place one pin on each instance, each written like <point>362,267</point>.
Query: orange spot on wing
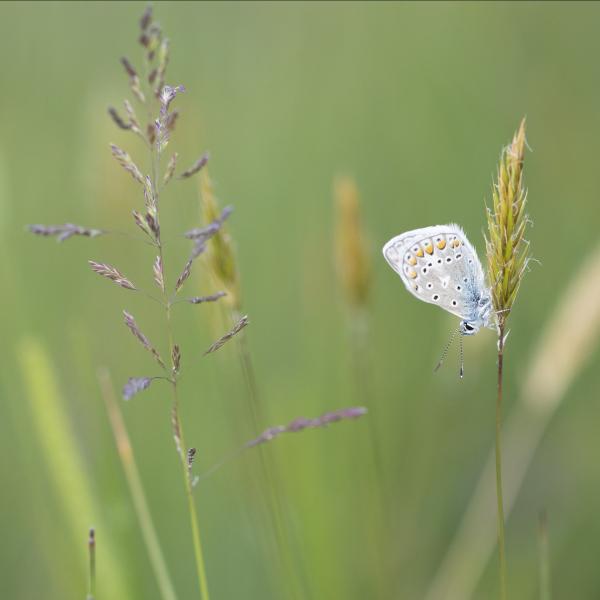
<point>429,247</point>
<point>419,252</point>
<point>412,274</point>
<point>441,244</point>
<point>411,261</point>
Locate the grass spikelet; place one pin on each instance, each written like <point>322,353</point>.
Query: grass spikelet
<point>352,258</point>
<point>298,424</point>
<point>135,385</point>
<point>117,119</point>
<point>221,256</point>
<point>127,163</point>
<point>225,338</point>
<point>201,299</point>
<point>185,274</point>
<point>157,270</point>
<point>176,358</point>
<point>301,423</point>
<point>196,167</point>
<point>507,249</point>
<point>133,124</point>
<point>111,273</point>
<point>64,232</point>
<point>170,170</point>
<point>133,327</point>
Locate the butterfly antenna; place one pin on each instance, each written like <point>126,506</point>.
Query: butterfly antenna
<point>445,352</point>
<point>462,358</point>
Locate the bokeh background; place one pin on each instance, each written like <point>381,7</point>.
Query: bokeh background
<point>415,102</point>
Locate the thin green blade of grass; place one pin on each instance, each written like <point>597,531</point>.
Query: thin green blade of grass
<point>136,488</point>
<point>221,262</point>
<point>544,556</point>
<point>60,454</point>
<point>353,266</point>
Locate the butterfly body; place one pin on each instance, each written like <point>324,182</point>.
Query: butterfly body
<point>440,266</point>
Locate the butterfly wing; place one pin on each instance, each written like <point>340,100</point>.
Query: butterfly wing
<point>438,265</point>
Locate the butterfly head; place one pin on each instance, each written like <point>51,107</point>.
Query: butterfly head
<point>481,312</point>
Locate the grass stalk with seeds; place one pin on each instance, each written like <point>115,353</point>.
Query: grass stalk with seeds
<point>507,253</point>
<point>353,267</point>
<point>154,98</point>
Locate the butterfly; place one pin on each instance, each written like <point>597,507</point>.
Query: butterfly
<point>439,265</point>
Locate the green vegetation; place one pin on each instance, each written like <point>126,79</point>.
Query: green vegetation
<point>408,103</point>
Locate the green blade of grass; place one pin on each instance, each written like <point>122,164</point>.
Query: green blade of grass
<point>60,455</point>
<point>136,489</point>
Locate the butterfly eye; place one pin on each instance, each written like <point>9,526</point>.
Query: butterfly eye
<point>469,327</point>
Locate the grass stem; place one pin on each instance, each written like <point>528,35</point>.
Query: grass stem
<point>544,558</point>
<point>181,451</point>
<point>92,555</point>
<point>499,498</point>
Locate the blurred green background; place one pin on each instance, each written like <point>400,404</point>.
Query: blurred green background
<point>415,101</point>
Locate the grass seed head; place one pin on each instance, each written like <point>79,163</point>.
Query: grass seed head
<point>506,247</point>
<point>352,257</point>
